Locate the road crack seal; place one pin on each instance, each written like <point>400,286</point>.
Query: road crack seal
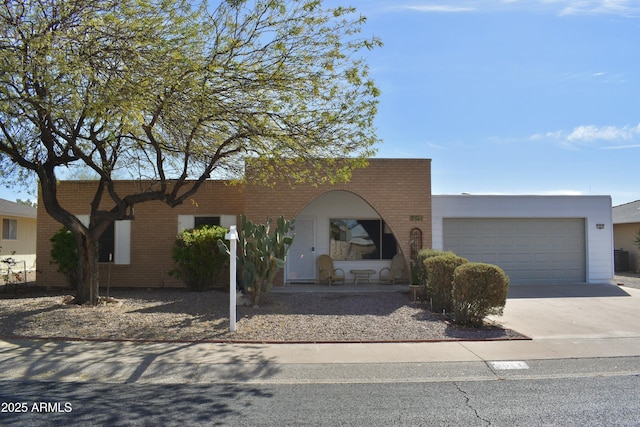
<point>467,402</point>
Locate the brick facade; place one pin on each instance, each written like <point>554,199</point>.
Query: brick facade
<point>398,189</point>
<point>153,231</point>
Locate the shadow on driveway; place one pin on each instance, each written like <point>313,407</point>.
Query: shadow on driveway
<point>579,290</point>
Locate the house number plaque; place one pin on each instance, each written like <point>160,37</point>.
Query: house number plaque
<point>415,217</point>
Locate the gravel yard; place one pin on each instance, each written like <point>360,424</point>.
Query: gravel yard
<point>178,315</point>
<point>629,279</point>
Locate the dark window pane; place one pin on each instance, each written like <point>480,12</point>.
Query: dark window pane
<point>9,229</point>
<point>107,244</point>
<point>201,221</point>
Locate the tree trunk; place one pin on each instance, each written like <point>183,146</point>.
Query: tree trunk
<point>257,293</point>
<point>88,273</point>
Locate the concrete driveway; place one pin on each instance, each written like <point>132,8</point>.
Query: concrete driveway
<point>568,321</point>
<point>573,311</point>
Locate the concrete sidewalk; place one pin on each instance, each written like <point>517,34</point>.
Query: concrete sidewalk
<point>564,322</point>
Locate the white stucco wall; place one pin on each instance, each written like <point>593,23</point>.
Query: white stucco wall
<point>594,209</point>
<point>339,204</point>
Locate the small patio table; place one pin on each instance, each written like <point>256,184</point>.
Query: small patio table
<point>362,275</point>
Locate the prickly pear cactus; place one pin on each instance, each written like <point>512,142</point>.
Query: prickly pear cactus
<point>262,253</point>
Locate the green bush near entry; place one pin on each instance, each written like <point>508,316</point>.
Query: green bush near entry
<point>440,271</point>
<point>64,252</point>
<point>419,269</point>
<point>478,290</point>
<point>198,258</point>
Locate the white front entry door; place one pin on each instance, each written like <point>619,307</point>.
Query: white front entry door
<point>301,258</point>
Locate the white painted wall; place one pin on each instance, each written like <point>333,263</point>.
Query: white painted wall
<point>594,209</point>
<point>340,204</point>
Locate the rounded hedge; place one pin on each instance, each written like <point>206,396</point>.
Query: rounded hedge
<point>440,271</point>
<point>422,275</point>
<point>478,290</point>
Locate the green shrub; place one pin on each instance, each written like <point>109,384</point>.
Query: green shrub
<point>440,270</point>
<point>64,252</point>
<point>420,268</point>
<point>198,258</point>
<point>478,291</point>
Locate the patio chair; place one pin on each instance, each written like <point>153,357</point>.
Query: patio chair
<point>395,273</point>
<point>327,272</point>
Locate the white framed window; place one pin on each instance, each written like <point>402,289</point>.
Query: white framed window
<point>116,240</point>
<point>361,239</point>
<point>186,222</point>
<point>9,229</point>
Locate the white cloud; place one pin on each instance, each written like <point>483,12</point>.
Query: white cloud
<point>597,7</point>
<point>605,133</point>
<point>437,8</point>
<point>560,7</point>
<point>622,147</point>
<point>624,136</point>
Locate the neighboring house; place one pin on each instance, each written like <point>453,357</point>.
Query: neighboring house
<point>386,208</point>
<point>626,223</point>
<point>18,238</point>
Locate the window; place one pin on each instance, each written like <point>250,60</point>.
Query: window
<point>201,221</point>
<point>107,244</point>
<point>115,240</point>
<point>9,229</point>
<point>360,239</point>
<point>186,222</point>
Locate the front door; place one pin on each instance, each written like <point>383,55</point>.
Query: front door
<point>301,259</point>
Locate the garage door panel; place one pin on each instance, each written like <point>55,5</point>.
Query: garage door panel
<point>520,258</point>
<point>530,250</point>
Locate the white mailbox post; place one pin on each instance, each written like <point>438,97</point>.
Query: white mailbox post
<point>232,236</point>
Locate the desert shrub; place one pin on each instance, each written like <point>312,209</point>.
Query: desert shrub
<point>419,266</point>
<point>198,258</point>
<point>478,291</point>
<point>440,271</point>
<point>64,252</point>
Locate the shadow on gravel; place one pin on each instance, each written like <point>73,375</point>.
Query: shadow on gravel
<point>181,316</point>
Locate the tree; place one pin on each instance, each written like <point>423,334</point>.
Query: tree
<point>175,92</point>
<point>27,202</point>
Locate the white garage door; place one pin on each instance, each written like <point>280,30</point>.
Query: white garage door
<point>529,250</point>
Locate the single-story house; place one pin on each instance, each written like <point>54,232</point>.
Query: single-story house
<point>19,231</point>
<point>385,209</point>
<point>388,200</point>
<point>626,224</point>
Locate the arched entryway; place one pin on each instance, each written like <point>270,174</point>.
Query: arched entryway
<point>344,226</point>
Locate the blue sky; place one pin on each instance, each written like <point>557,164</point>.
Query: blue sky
<point>512,97</point>
<point>509,96</point>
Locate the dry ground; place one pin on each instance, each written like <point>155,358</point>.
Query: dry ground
<point>178,315</point>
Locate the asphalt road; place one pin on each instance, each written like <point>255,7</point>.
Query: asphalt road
<point>570,393</point>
